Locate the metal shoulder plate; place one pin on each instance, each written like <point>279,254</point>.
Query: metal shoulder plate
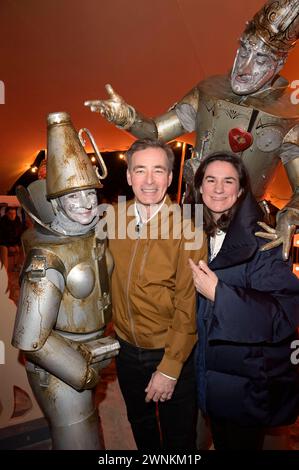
<point>191,98</point>
<point>38,261</point>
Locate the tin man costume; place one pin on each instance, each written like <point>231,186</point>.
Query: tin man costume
<point>250,113</point>
<point>64,301</point>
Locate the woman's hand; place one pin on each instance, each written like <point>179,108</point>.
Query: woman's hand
<point>205,280</point>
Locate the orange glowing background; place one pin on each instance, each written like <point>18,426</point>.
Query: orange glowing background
<point>54,54</point>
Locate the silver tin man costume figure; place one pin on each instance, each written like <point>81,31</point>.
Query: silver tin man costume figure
<point>249,112</point>
<point>64,302</point>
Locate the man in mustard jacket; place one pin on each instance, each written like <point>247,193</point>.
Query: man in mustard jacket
<point>154,304</point>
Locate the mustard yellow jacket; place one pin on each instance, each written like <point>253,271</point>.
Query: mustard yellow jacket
<point>153,295</point>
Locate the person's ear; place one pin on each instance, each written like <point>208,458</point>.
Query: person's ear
<point>170,179</point>
<point>200,189</point>
<point>129,179</point>
<point>240,192</point>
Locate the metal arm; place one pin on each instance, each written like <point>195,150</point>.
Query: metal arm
<point>292,169</point>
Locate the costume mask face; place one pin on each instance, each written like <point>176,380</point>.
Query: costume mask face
<point>80,206</point>
<point>255,66</point>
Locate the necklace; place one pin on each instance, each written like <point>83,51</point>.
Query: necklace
<point>145,221</point>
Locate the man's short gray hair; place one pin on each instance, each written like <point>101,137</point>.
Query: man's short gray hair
<point>143,144</point>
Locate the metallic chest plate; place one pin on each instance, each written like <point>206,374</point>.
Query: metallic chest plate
<point>81,280</point>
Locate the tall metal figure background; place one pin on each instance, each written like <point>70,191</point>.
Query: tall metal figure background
<point>249,112</point>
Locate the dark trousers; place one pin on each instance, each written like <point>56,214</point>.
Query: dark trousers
<point>230,436</point>
<point>165,425</point>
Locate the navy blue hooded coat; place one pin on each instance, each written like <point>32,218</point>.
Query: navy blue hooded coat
<point>244,370</point>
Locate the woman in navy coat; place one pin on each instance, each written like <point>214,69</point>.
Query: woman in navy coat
<point>248,315</point>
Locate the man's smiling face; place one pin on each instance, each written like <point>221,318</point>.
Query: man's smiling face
<point>149,175</point>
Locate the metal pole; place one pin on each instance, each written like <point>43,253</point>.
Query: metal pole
<point>184,146</point>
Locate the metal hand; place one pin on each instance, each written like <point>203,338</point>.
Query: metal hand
<point>282,234</point>
<point>115,109</point>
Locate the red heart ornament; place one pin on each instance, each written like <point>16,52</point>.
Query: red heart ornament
<point>239,139</point>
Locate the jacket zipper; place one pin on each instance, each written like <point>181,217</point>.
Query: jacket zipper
<point>128,288</point>
<point>144,256</point>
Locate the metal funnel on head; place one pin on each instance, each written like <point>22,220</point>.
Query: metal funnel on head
<point>69,168</point>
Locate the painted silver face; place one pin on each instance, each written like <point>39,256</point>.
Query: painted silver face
<point>80,206</point>
<point>254,67</point>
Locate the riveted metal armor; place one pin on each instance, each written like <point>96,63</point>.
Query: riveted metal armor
<point>64,303</point>
<point>256,128</point>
